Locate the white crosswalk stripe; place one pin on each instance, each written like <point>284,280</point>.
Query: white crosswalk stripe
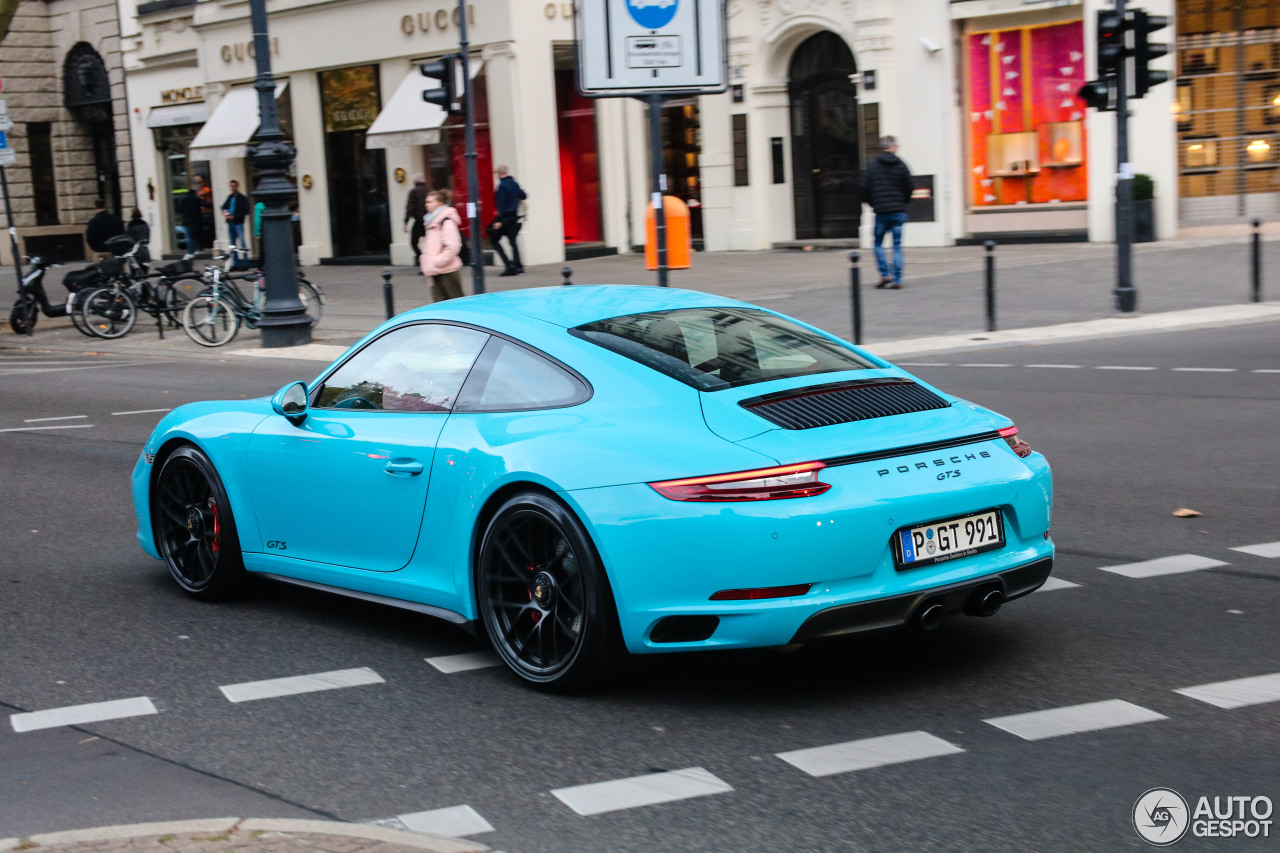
<point>1164,566</point>
<point>275,687</point>
<point>452,822</point>
<point>649,790</point>
<point>449,664</point>
<point>75,715</point>
<point>1075,719</point>
<point>1270,550</point>
<point>1237,693</point>
<point>867,753</point>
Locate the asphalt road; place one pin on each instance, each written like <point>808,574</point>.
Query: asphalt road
<point>86,617</point>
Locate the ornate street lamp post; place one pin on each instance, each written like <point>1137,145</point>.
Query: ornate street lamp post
<point>284,321</point>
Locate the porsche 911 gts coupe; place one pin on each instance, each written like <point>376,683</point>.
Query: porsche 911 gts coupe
<point>578,471</point>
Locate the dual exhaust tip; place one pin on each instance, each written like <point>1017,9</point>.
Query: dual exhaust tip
<point>984,602</point>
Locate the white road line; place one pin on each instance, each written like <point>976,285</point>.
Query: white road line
<point>981,364</point>
<point>63,426</point>
<point>923,364</point>
<point>19,371</point>
<point>868,753</point>
<point>1057,366</point>
<point>1204,370</point>
<point>1056,583</point>
<point>449,664</point>
<point>1122,367</point>
<point>143,412</point>
<point>75,715</point>
<point>1267,371</point>
<point>453,822</point>
<point>1075,719</point>
<point>1237,693</point>
<point>1266,549</point>
<point>1164,566</point>
<point>271,688</point>
<point>655,788</point>
<point>63,418</point>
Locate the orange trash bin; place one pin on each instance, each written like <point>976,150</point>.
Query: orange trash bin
<point>679,234</point>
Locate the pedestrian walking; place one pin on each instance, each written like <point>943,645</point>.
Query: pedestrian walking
<point>137,228</point>
<point>415,208</point>
<point>102,227</point>
<point>191,211</point>
<point>440,258</point>
<point>234,211</point>
<point>507,199</point>
<point>886,186</point>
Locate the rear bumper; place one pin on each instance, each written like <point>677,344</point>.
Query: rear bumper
<point>898,610</point>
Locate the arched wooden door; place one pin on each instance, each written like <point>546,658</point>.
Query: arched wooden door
<point>825,130</point>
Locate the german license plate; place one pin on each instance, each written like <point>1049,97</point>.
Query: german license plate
<point>949,539</point>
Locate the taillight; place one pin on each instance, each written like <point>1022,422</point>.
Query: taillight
<point>1020,447</point>
<point>761,593</point>
<point>762,484</point>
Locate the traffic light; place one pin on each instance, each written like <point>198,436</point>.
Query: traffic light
<point>1097,94</point>
<point>1110,42</point>
<point>1144,51</point>
<point>449,94</point>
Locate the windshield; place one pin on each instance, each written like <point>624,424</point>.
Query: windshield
<point>715,348</point>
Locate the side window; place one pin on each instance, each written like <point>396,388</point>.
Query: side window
<point>511,378</point>
<point>413,369</point>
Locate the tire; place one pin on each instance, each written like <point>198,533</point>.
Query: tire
<point>25,313</point>
<point>312,301</point>
<point>210,321</point>
<point>76,312</point>
<point>176,293</point>
<point>543,596</point>
<point>109,312</point>
<point>194,528</point>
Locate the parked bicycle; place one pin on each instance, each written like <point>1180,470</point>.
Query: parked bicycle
<point>111,310</point>
<point>214,317</point>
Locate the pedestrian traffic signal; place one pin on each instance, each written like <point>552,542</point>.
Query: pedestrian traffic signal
<point>1110,42</point>
<point>449,94</point>
<point>1144,51</point>
<point>1097,94</point>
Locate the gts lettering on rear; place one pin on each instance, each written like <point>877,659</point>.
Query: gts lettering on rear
<point>937,463</point>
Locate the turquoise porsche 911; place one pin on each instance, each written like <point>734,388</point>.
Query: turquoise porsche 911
<point>578,472</point>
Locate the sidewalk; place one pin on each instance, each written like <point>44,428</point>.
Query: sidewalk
<point>1037,286</point>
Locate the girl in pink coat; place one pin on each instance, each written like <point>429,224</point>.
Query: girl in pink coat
<point>443,242</point>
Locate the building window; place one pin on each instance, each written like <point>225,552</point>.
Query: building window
<point>44,186</point>
<point>741,175</point>
<point>1026,124</point>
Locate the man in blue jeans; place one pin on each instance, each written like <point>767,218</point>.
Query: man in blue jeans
<point>886,186</point>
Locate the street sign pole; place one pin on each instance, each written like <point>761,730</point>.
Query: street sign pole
<point>473,179</point>
<point>659,182</point>
<point>13,232</point>
<point>1125,293</point>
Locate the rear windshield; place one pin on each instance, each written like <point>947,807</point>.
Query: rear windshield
<point>715,348</point>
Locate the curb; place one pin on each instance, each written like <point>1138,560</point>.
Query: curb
<point>233,825</point>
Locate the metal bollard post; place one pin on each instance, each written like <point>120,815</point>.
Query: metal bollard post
<point>566,272</point>
<point>387,294</point>
<point>990,246</point>
<point>1257,261</point>
<point>855,295</point>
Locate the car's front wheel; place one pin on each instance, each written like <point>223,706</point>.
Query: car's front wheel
<point>543,595</point>
<point>194,528</point>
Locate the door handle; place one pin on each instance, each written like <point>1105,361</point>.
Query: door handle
<point>403,468</point>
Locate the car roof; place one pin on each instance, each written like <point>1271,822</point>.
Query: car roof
<point>576,304</point>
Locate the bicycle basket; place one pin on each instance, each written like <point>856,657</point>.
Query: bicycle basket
<point>110,267</point>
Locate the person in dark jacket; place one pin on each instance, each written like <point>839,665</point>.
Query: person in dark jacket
<point>415,207</point>
<point>234,210</point>
<point>507,199</point>
<point>137,228</point>
<point>191,211</point>
<point>102,227</point>
<point>886,186</point>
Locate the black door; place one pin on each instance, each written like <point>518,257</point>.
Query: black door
<point>825,132</point>
<point>358,212</point>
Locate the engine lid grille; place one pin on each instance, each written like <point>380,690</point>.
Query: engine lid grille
<point>843,402</point>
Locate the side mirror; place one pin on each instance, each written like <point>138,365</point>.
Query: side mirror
<point>291,401</point>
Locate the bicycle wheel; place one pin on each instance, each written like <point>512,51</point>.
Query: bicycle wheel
<point>312,301</point>
<point>210,321</point>
<point>109,312</point>
<point>174,294</point>
<point>75,310</point>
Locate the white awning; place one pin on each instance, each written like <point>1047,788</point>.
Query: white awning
<point>407,119</point>
<point>195,113</point>
<point>227,132</point>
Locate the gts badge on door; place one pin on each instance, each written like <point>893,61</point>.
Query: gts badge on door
<point>277,545</point>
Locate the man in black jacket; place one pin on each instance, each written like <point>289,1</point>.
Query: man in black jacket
<point>507,198</point>
<point>102,227</point>
<point>886,186</point>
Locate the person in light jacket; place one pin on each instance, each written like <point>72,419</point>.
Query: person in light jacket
<point>443,241</point>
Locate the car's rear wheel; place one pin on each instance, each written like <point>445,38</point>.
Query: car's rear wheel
<point>543,595</point>
<point>194,529</point>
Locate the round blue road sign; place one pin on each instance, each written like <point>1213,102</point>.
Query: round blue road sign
<point>652,14</point>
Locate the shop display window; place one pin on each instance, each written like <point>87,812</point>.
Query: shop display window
<point>1066,143</point>
<point>1200,154</point>
<point>1013,154</point>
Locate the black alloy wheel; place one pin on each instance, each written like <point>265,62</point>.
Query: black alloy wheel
<point>194,529</point>
<point>543,595</point>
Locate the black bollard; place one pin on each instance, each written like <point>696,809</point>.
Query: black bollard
<point>990,246</point>
<point>855,296</point>
<point>387,294</point>
<point>566,272</point>
<point>1257,261</point>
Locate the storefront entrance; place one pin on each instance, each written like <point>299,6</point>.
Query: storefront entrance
<point>824,139</point>
<point>359,217</point>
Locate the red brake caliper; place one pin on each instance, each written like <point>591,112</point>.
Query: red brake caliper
<point>217,525</point>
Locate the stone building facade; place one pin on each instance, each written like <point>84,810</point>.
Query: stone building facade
<point>63,84</point>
